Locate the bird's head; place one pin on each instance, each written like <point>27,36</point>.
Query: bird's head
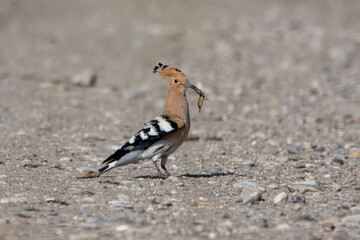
<point>176,78</point>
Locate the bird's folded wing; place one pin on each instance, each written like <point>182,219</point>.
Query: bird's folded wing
<point>152,136</point>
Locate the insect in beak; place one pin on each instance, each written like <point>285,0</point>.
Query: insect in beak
<point>198,91</point>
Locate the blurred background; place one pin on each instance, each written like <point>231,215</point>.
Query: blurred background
<point>270,62</point>
<point>287,66</point>
<point>280,61</point>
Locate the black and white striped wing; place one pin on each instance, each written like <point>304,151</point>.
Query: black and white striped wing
<point>144,144</point>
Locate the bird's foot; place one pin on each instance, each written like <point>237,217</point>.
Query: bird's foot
<point>164,176</point>
<point>161,175</point>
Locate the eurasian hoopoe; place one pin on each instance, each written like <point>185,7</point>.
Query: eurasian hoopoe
<point>162,135</point>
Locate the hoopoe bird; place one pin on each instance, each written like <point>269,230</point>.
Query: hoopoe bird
<point>162,135</point>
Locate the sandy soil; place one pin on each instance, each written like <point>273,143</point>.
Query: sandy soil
<point>275,154</point>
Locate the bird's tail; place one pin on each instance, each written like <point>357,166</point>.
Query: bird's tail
<point>109,166</point>
<point>104,169</point>
<point>112,160</point>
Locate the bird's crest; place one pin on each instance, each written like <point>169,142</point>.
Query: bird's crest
<point>165,71</point>
<point>159,67</point>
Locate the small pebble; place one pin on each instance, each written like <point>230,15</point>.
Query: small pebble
<point>296,199</point>
<point>311,185</point>
<point>280,159</point>
<point>31,209</point>
<point>340,214</point>
<point>153,200</point>
<point>86,172</point>
<point>338,160</point>
<point>139,209</point>
<point>274,186</point>
<point>31,165</point>
<point>14,200</point>
<point>230,171</point>
<point>4,221</point>
<point>252,198</point>
<point>54,200</point>
<point>260,221</point>
<point>84,79</point>
<point>122,228</point>
<point>23,215</point>
<point>118,219</point>
<point>172,179</point>
<point>120,204</point>
<point>84,236</point>
<point>248,163</point>
<point>283,227</point>
<point>251,164</point>
<point>250,192</point>
<point>299,165</point>
<point>292,150</point>
<point>336,187</point>
<point>65,159</point>
<point>89,200</point>
<point>318,148</point>
<point>306,217</point>
<point>280,197</point>
<point>241,185</point>
<point>293,157</point>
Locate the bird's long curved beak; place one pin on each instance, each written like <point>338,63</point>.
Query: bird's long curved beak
<point>191,86</point>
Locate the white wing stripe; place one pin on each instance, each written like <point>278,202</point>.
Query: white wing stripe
<point>132,140</point>
<point>164,125</point>
<point>143,135</point>
<point>153,131</point>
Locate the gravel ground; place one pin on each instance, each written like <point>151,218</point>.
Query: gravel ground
<point>275,154</point>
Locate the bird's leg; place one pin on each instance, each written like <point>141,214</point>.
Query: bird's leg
<point>158,169</point>
<point>163,163</point>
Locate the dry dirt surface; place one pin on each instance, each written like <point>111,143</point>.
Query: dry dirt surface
<point>275,153</point>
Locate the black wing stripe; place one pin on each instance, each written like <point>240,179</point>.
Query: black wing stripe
<point>157,127</point>
<point>173,124</point>
<point>116,155</point>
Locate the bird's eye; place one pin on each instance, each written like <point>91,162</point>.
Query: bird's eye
<point>176,81</point>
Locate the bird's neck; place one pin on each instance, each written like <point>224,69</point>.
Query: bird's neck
<point>177,105</point>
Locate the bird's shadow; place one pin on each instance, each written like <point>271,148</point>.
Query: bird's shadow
<point>149,177</point>
<point>190,175</point>
<point>206,175</point>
